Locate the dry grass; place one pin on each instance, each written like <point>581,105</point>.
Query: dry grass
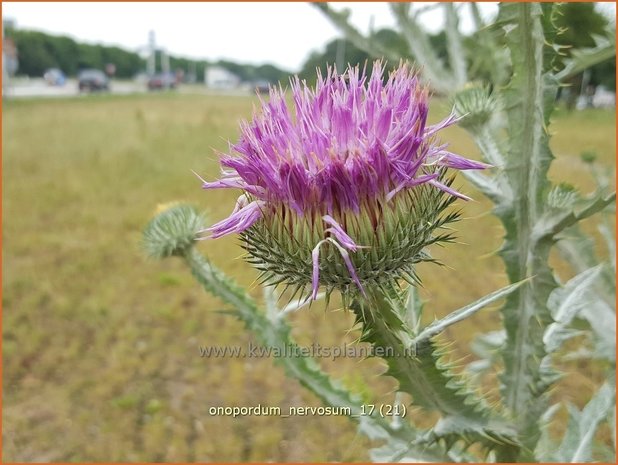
<point>100,356</point>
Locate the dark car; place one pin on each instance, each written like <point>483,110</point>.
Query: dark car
<point>262,86</point>
<point>162,81</point>
<point>92,80</point>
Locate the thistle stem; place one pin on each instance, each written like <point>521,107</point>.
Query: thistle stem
<point>421,373</point>
<point>275,334</point>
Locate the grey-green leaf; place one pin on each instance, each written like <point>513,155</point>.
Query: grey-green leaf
<point>576,446</point>
<point>418,41</point>
<point>460,314</point>
<point>546,447</point>
<point>582,59</point>
<point>565,303</point>
<point>413,310</point>
<point>457,57</point>
<point>487,184</point>
<point>553,221</point>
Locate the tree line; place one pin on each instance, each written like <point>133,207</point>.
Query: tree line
<point>39,51</point>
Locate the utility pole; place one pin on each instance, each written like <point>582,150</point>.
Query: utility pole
<point>152,58</point>
<point>192,72</point>
<point>165,68</point>
<point>340,55</point>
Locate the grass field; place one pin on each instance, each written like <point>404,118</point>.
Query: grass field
<point>101,346</point>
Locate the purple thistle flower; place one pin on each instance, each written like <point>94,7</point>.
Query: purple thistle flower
<point>354,169</point>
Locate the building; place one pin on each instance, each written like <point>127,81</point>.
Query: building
<point>217,77</point>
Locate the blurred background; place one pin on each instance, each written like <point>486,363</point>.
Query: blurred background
<point>107,107</point>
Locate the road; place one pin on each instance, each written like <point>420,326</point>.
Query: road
<point>39,88</point>
<point>29,88</point>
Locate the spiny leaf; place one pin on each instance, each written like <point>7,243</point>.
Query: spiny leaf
<point>413,310</point>
<point>581,59</point>
<point>487,184</point>
<point>576,446</point>
<point>579,250</point>
<point>460,314</point>
<point>565,303</point>
<point>554,220</point>
<point>486,346</point>
<point>546,447</point>
<point>610,242</point>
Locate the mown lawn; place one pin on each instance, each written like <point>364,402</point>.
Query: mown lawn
<point>101,346</point>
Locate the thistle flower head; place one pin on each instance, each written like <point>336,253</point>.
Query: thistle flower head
<point>348,188</point>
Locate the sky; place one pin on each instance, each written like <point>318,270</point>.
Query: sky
<point>283,34</point>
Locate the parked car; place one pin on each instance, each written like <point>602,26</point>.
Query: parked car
<point>54,77</point>
<point>92,80</point>
<point>261,86</point>
<point>162,81</point>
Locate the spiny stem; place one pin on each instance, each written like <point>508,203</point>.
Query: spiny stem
<point>421,373</point>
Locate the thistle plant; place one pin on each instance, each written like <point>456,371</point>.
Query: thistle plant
<point>350,191</point>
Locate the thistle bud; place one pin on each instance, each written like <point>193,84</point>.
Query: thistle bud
<point>475,105</point>
<point>349,190</point>
<point>172,232</point>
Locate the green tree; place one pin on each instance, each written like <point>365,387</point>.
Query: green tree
<point>579,23</point>
<point>38,52</point>
<point>320,60</point>
<point>251,73</point>
<point>127,63</point>
<point>89,56</point>
<point>272,74</point>
<point>33,52</point>
<point>64,50</point>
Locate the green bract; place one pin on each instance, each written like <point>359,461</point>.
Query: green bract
<point>392,237</point>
